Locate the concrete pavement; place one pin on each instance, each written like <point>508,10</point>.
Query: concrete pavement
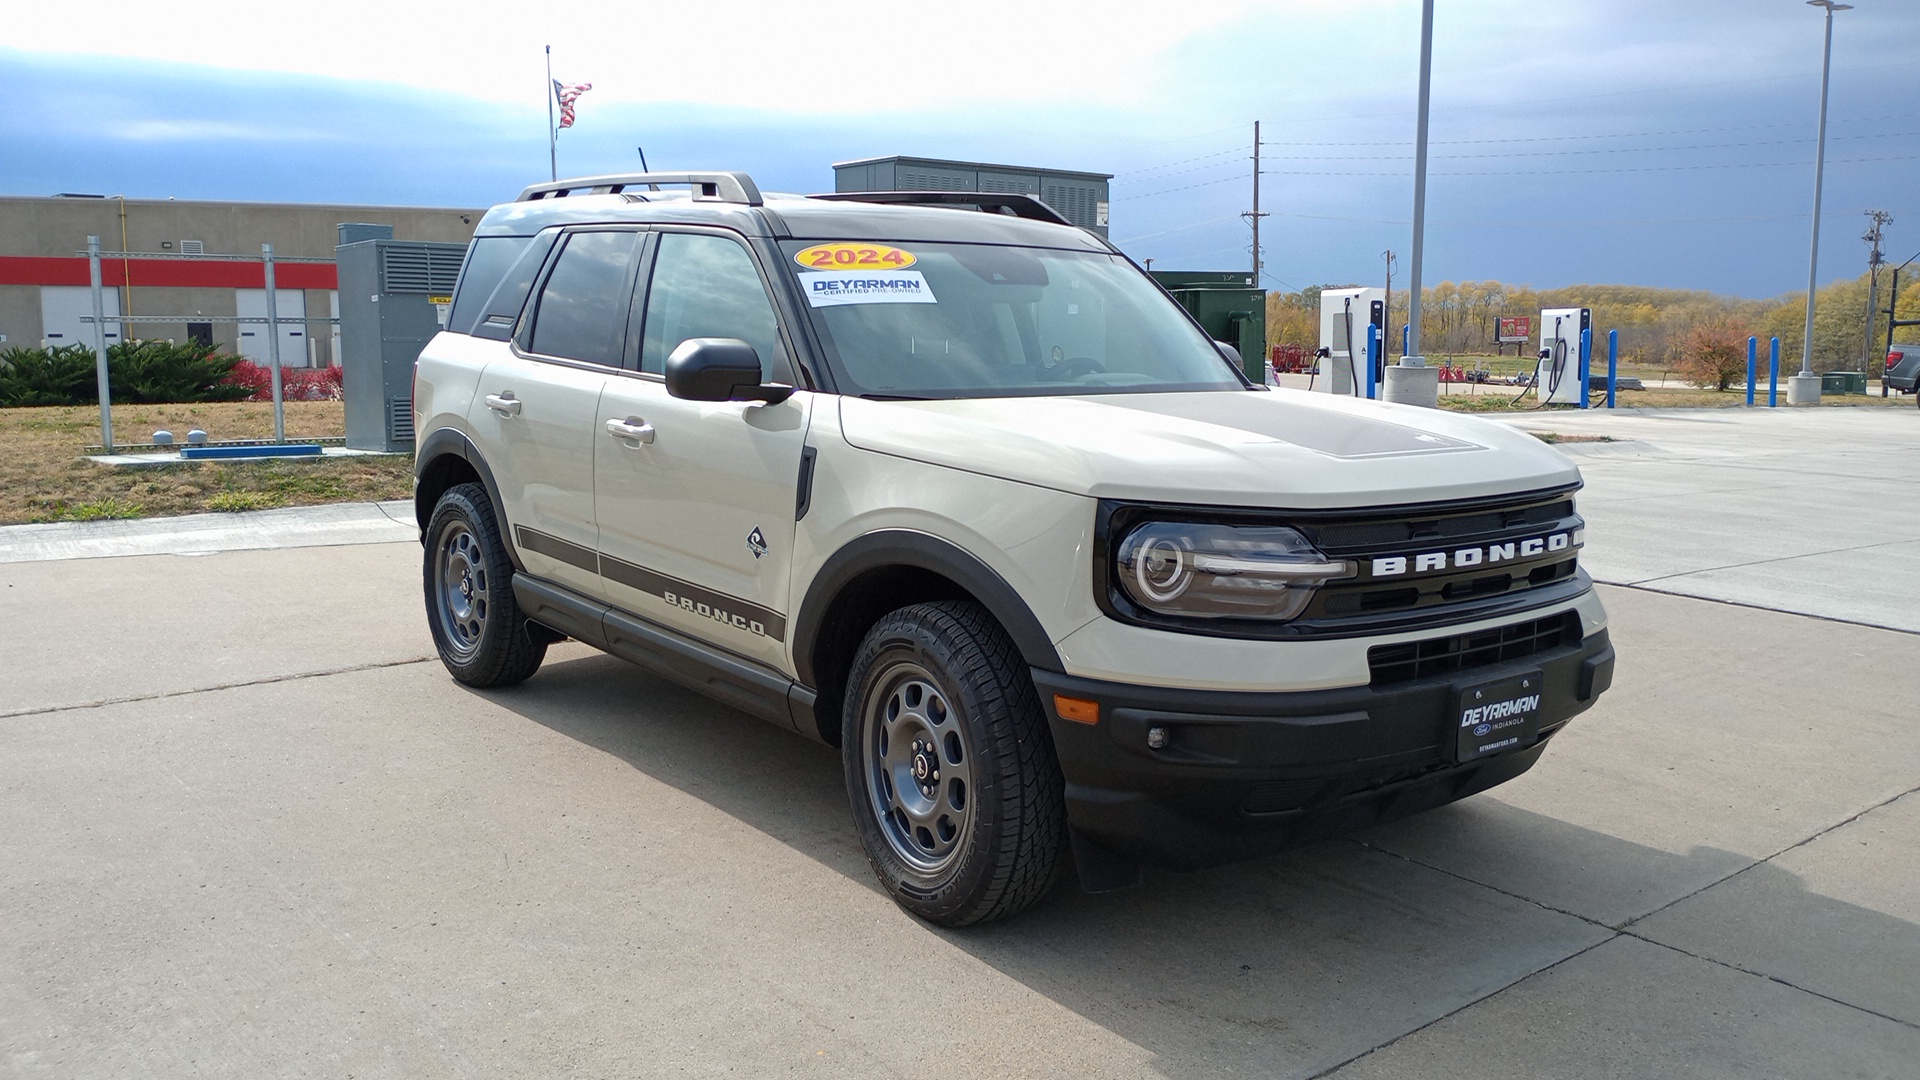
<point>251,829</point>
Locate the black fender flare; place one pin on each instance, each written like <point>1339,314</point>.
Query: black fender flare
<point>449,442</point>
<point>922,551</point>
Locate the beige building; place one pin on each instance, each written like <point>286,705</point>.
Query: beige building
<point>198,261</point>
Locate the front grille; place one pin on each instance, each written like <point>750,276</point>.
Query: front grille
<point>1442,656</point>
<point>1478,530</point>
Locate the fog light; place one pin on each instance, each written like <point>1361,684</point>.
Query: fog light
<point>1157,737</point>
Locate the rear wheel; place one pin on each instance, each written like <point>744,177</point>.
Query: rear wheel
<point>956,792</point>
<point>478,629</point>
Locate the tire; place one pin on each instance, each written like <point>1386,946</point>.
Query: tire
<point>956,792</point>
<point>482,637</point>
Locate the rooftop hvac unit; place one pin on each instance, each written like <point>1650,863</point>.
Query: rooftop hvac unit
<point>394,296</point>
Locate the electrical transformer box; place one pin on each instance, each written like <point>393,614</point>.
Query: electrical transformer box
<point>394,297</point>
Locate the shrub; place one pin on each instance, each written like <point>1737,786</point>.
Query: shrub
<point>1713,354</point>
<point>62,376</point>
<point>161,372</point>
<point>296,384</point>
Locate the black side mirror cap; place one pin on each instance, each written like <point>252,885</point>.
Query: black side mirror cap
<point>1228,351</point>
<point>720,369</point>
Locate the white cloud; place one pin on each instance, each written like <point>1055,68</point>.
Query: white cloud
<point>851,57</point>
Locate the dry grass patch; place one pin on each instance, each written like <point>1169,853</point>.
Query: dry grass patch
<point>45,477</point>
<point>1490,399</point>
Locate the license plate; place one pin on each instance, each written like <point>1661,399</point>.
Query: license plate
<point>1498,716</point>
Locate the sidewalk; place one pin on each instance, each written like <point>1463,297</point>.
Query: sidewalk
<point>200,534</point>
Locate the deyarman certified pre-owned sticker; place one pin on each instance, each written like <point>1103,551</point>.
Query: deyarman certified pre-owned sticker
<point>880,287</point>
<point>850,256</point>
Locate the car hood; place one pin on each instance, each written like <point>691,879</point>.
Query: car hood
<point>1278,448</point>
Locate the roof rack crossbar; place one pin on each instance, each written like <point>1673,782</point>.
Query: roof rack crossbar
<point>733,187</point>
<point>1019,205</point>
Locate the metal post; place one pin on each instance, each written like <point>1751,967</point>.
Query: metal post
<point>1420,183</point>
<point>1613,363</point>
<point>100,343</point>
<point>1893,317</point>
<point>1773,372</point>
<point>1753,347</point>
<point>553,133</point>
<point>1808,390</point>
<point>1586,366</point>
<point>273,346</point>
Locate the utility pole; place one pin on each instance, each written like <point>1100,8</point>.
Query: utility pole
<point>1881,219</point>
<point>1255,215</point>
<point>1386,331</point>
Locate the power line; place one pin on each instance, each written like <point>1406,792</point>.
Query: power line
<point>1572,172</point>
<point>1612,135</point>
<point>1613,149</point>
<point>1183,161</point>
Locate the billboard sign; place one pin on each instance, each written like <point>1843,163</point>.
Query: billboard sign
<point>1515,328</point>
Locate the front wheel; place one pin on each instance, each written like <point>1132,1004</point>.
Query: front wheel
<point>956,792</point>
<point>478,629</point>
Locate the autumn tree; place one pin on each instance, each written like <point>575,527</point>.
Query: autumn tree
<point>1713,353</point>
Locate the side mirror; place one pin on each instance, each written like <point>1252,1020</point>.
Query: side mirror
<point>1229,352</point>
<point>720,369</point>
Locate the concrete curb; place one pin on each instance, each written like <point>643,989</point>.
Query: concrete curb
<point>203,534</point>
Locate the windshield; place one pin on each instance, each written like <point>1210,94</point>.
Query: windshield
<point>918,320</point>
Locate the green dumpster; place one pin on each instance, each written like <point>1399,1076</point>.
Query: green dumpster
<point>1843,382</point>
<point>1228,307</point>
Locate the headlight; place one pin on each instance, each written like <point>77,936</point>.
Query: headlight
<point>1222,571</point>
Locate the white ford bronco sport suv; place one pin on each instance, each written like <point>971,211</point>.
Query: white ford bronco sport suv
<point>951,484</point>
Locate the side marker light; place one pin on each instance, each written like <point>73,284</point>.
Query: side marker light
<point>1078,710</point>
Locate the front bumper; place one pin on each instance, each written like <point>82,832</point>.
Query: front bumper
<point>1246,773</point>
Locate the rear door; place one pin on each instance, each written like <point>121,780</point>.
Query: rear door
<point>696,515</point>
<point>538,403</point>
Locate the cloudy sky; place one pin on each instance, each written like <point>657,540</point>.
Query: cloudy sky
<point>1660,143</point>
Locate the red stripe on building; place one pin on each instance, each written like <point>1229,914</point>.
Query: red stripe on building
<point>167,273</point>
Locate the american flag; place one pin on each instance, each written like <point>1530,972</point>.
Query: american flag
<point>565,95</point>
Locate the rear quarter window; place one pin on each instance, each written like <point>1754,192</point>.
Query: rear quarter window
<point>494,283</point>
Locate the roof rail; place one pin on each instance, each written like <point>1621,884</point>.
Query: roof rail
<point>1018,205</point>
<point>734,187</point>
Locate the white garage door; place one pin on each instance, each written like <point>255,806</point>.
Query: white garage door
<point>63,306</point>
<point>290,305</point>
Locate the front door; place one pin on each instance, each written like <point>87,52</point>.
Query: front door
<point>538,405</point>
<point>696,514</point>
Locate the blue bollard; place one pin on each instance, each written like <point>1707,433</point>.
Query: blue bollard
<point>1613,363</point>
<point>1753,345</point>
<point>1586,365</point>
<point>1373,355</point>
<point>1773,373</point>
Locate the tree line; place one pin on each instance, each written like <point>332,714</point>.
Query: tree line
<point>1658,327</point>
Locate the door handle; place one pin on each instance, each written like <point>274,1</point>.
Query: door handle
<point>632,428</point>
<point>504,403</point>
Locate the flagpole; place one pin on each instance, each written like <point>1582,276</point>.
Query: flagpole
<point>553,153</point>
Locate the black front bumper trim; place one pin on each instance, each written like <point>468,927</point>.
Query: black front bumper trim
<point>1242,773</point>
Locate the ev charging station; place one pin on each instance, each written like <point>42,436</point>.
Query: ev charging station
<point>1561,377</point>
<point>1345,316</point>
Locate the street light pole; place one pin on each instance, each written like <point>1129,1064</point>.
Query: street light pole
<point>1411,381</point>
<point>1804,388</point>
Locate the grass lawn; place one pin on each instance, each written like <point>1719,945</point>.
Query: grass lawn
<point>44,477</point>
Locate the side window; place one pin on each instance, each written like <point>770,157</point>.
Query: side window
<point>706,286</point>
<point>495,311</point>
<point>583,306</point>
<point>488,260</point>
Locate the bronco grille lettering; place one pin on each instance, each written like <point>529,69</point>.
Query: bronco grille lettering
<point>1462,558</point>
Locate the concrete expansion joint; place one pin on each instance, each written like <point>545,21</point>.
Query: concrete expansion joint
<point>1642,586</point>
<point>1495,992</point>
<point>189,692</point>
<point>1770,978</point>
